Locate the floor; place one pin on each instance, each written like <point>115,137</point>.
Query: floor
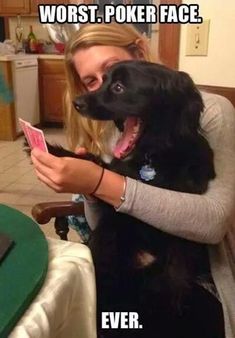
<point>19,185</point>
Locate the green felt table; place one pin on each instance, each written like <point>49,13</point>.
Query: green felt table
<point>23,270</point>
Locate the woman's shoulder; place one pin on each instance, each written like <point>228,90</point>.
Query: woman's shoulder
<point>218,110</point>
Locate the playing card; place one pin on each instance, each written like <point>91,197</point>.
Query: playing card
<point>34,136</point>
<point>37,138</point>
<point>24,125</point>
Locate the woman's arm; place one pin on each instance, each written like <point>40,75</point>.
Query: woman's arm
<point>203,218</point>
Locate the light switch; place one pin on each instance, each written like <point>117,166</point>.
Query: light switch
<point>197,38</point>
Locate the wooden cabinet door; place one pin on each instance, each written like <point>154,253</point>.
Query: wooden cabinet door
<point>52,88</point>
<point>14,6</point>
<point>7,107</point>
<point>78,2</point>
<point>34,4</point>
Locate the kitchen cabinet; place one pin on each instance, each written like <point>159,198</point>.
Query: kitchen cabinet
<point>14,7</point>
<point>7,107</point>
<point>34,4</point>
<point>52,86</point>
<point>19,94</point>
<point>30,7</point>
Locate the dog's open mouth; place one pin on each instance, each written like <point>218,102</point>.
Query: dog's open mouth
<point>130,135</point>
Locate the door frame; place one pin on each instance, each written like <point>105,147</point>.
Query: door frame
<point>169,40</point>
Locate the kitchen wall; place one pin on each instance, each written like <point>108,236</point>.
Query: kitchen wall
<point>218,67</point>
<point>39,30</point>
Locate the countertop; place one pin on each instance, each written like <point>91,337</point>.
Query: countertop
<point>14,57</point>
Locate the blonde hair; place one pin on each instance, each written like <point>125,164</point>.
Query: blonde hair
<point>80,130</point>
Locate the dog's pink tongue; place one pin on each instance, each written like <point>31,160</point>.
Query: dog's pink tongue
<point>127,135</point>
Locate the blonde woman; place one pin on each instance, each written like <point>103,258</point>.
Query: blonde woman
<point>204,218</point>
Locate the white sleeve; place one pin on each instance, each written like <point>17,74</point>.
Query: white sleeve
<point>203,218</point>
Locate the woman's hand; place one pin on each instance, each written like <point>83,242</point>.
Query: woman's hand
<point>65,174</point>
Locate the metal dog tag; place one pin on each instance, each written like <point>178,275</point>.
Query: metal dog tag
<point>147,173</point>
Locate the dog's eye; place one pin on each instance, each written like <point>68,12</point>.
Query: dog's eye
<point>117,88</point>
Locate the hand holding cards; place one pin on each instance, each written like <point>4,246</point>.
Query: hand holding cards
<point>34,136</point>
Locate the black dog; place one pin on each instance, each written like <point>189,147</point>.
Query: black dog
<point>158,111</point>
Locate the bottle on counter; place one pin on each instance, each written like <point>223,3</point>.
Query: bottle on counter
<point>32,41</point>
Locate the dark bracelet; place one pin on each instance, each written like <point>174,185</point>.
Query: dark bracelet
<point>99,182</point>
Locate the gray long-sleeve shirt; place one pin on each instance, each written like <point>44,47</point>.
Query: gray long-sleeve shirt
<point>207,218</point>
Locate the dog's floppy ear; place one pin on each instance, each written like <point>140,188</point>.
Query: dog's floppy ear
<point>177,97</point>
<point>190,104</point>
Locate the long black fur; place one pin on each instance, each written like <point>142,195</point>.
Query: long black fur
<point>164,291</point>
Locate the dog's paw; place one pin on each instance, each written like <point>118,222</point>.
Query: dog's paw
<point>59,151</point>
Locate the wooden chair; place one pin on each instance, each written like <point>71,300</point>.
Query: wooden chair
<point>44,212</point>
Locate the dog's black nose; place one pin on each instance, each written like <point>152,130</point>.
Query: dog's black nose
<point>80,105</point>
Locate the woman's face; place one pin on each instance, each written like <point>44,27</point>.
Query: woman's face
<point>93,62</point>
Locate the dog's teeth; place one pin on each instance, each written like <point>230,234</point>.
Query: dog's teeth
<point>133,137</point>
<point>136,129</point>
